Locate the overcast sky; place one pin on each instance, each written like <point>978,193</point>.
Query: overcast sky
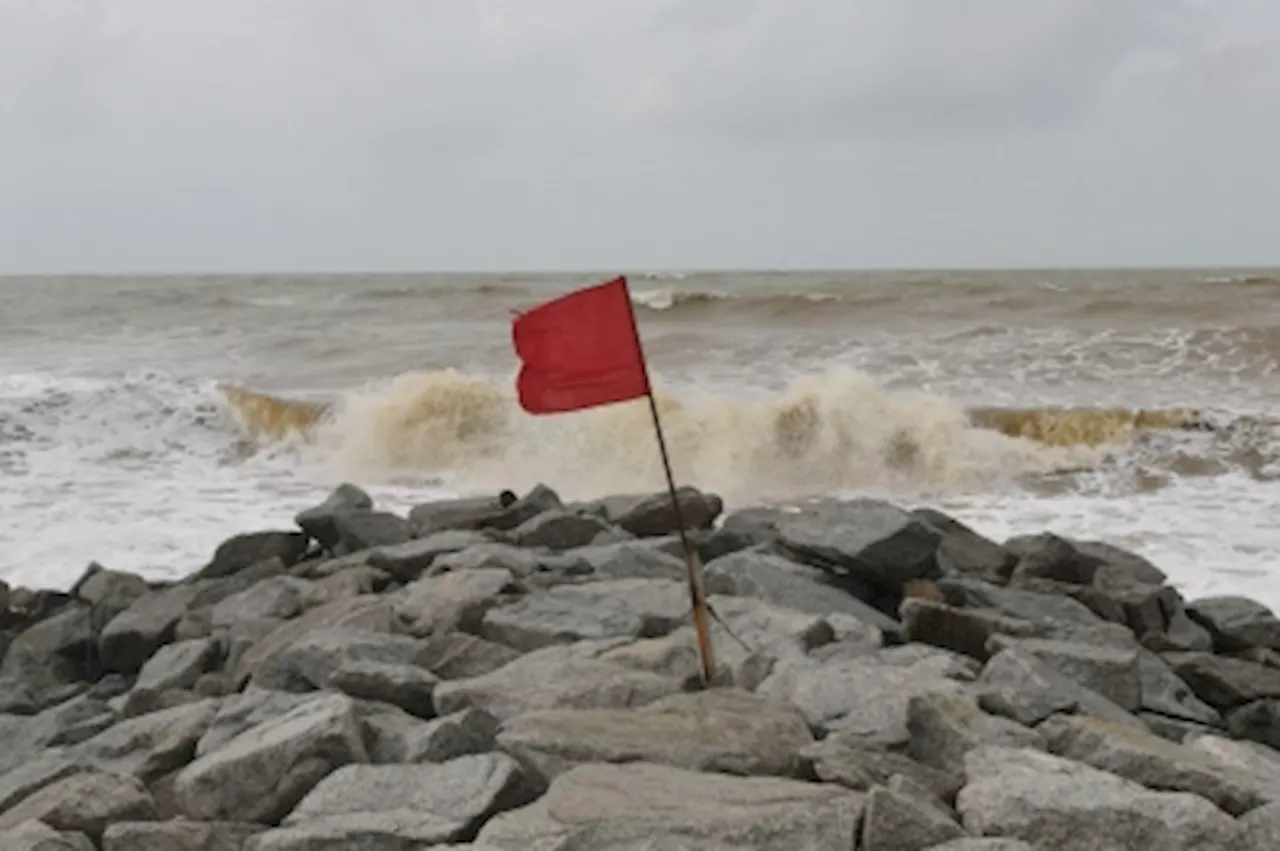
<point>227,135</point>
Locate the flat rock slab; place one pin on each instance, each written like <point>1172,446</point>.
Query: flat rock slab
<point>262,773</point>
<point>395,737</point>
<point>151,745</point>
<point>1060,805</point>
<point>563,676</point>
<point>593,804</point>
<point>728,731</point>
<point>608,609</point>
<point>416,803</point>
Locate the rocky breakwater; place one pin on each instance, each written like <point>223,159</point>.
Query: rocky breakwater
<point>520,674</point>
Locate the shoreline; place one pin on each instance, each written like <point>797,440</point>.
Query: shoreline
<point>512,672</point>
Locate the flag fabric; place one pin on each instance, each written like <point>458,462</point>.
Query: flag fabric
<point>580,350</point>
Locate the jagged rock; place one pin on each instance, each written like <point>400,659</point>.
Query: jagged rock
<point>559,530</point>
<point>357,613</point>
<point>425,804</point>
<point>1237,623</point>
<point>278,597</point>
<point>458,656</point>
<point>1020,603</point>
<point>945,727</point>
<point>1259,766</point>
<point>409,559</point>
<point>966,631</point>
<point>461,514</point>
<point>729,731</point>
<point>651,515</point>
<point>843,758</point>
<point>395,737</point>
<point>1150,760</point>
<point>84,802</point>
<point>1018,685</point>
<point>983,845</point>
<point>49,661</point>
<point>964,552</point>
<point>1060,805</point>
<point>457,600</point>
<point>239,712</point>
<point>406,686</point>
<point>644,559</point>
<point>346,584</point>
<point>1165,693</point>
<point>864,696</point>
<point>133,636</point>
<point>557,676</point>
<point>614,608</point>
<point>1224,682</point>
<point>539,499</point>
<point>487,555</point>
<point>244,551</point>
<point>37,836</point>
<point>897,822</point>
<point>177,665</point>
<point>34,774</point>
<point>1258,721</point>
<point>784,583</point>
<point>109,592</point>
<point>365,530</point>
<point>311,661</point>
<point>1109,671</point>
<point>318,521</point>
<point>151,745</point>
<point>1048,556</point>
<point>261,774</point>
<point>178,835</point>
<point>593,804</point>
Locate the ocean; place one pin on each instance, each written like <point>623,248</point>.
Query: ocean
<point>144,419</point>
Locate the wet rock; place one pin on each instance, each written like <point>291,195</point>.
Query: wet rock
<point>244,551</point>
<point>261,774</point>
<point>555,677</point>
<point>1237,623</point>
<point>364,530</point>
<point>84,802</point>
<point>594,804</point>
<point>406,686</point>
<point>652,515</point>
<point>178,835</point>
<point>559,530</point>
<point>539,499</point>
<point>460,514</point>
<point>728,731</point>
<point>963,552</point>
<point>1048,556</point>
<point>1056,804</point>
<point>318,522</point>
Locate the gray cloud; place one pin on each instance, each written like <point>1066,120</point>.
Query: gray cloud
<point>144,134</point>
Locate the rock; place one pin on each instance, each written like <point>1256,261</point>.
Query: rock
<point>1047,556</point>
<point>594,804</point>
<point>345,585</point>
<point>151,745</point>
<point>239,712</point>
<point>966,631</point>
<point>1165,693</point>
<point>408,560</point>
<point>1224,682</point>
<point>453,601</point>
<point>729,731</point>
<point>539,499</point>
<point>244,551</point>
<point>84,802</point>
<point>615,608</point>
<point>397,737</point>
<point>784,583</point>
<point>177,665</point>
<point>647,559</point>
<point>1020,603</point>
<point>49,661</point>
<point>484,555</point>
<point>872,541</point>
<point>1018,685</point>
<point>462,514</point>
<point>1258,722</point>
<point>318,521</point>
<point>897,822</point>
<point>279,597</point>
<point>963,552</point>
<point>983,845</point>
<point>559,530</point>
<point>178,835</point>
<point>261,774</point>
<point>311,661</point>
<point>416,803</point>
<point>37,836</point>
<point>863,696</point>
<point>458,656</point>
<point>1261,829</point>
<point>133,636</point>
<point>843,758</point>
<point>34,774</point>
<point>109,592</point>
<point>1237,623</point>
<point>357,613</point>
<point>1257,765</point>
<point>567,676</point>
<point>652,515</point>
<point>1108,671</point>
<point>945,727</point>
<point>406,686</point>
<point>1150,760</point>
<point>1056,805</point>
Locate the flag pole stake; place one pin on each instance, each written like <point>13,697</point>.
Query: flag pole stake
<point>696,595</point>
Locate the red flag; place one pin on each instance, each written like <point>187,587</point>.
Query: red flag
<point>579,351</point>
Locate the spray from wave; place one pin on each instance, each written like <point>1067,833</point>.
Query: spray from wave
<point>822,434</point>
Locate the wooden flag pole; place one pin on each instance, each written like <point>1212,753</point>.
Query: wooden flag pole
<point>697,597</point>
